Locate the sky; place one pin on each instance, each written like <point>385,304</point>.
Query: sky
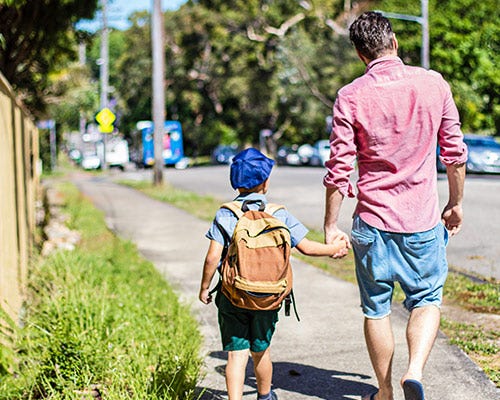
<point>119,10</point>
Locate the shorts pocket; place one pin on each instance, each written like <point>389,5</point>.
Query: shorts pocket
<point>418,243</point>
<point>361,239</point>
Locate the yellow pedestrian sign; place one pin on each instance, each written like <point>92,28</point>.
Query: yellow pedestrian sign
<point>105,119</point>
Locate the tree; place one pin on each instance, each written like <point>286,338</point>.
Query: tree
<point>131,72</point>
<point>72,95</point>
<point>464,47</point>
<point>236,68</point>
<point>35,36</point>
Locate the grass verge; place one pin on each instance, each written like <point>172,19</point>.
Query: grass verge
<point>471,296</point>
<point>100,320</point>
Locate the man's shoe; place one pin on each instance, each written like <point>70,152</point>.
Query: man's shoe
<point>272,396</point>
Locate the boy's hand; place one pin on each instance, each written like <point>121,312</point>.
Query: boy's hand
<point>343,251</point>
<point>336,237</point>
<point>205,296</point>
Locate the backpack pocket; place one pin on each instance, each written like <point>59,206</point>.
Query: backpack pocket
<point>262,288</point>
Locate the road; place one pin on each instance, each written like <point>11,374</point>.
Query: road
<point>474,251</point>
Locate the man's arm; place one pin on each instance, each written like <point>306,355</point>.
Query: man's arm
<point>452,215</point>
<point>332,211</point>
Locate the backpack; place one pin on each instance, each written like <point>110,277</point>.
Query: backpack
<point>256,272</point>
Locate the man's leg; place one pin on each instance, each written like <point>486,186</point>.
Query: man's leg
<point>421,333</point>
<point>263,368</point>
<point>235,373</point>
<point>380,344</point>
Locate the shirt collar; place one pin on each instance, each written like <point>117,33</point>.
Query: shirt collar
<point>252,196</point>
<point>384,59</point>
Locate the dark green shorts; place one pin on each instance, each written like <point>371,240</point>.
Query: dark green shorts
<point>244,329</point>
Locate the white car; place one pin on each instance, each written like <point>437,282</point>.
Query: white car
<point>91,161</point>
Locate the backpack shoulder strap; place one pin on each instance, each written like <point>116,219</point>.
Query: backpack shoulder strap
<point>271,208</point>
<point>235,207</point>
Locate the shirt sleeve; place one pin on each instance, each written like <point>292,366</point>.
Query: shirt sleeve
<point>297,230</point>
<point>453,150</point>
<point>223,220</point>
<point>342,148</point>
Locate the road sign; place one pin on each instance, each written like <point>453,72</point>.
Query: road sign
<point>105,118</point>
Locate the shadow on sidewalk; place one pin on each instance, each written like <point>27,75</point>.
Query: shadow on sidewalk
<point>301,379</point>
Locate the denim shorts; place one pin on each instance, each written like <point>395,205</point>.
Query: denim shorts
<point>416,260</point>
<point>244,329</point>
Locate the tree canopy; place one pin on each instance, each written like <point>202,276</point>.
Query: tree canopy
<point>35,38</point>
<point>235,67</point>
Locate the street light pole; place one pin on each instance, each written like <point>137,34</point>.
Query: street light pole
<point>424,22</point>
<point>158,89</point>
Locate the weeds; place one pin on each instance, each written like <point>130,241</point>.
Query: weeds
<point>102,320</point>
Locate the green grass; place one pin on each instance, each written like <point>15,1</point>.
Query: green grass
<point>477,296</point>
<point>459,289</point>
<point>203,207</point>
<point>101,318</point>
<point>480,344</point>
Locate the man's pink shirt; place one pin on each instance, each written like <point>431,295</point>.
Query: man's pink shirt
<point>392,117</point>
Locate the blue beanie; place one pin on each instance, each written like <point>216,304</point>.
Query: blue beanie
<point>250,168</point>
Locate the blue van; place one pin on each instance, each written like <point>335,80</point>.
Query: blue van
<point>173,149</point>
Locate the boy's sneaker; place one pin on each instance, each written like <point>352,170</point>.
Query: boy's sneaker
<point>272,396</point>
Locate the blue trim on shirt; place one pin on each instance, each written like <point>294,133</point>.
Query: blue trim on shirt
<point>227,220</point>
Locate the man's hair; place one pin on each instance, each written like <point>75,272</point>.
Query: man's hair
<point>372,35</point>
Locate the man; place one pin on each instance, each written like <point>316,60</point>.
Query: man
<point>391,120</point>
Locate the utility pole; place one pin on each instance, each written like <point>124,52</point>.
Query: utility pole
<point>82,60</point>
<point>425,34</point>
<point>104,72</point>
<point>424,22</point>
<point>158,89</point>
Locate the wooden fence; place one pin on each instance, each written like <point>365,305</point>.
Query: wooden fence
<point>19,185</point>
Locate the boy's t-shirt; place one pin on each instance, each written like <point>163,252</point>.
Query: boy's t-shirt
<point>228,220</point>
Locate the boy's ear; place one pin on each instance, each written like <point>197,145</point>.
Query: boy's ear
<point>265,185</point>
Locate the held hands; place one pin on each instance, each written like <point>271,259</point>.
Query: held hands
<point>452,218</point>
<point>205,296</point>
<point>344,248</point>
<point>340,240</point>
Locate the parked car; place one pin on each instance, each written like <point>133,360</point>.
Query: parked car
<point>117,153</point>
<point>90,161</point>
<point>484,155</point>
<point>321,153</point>
<point>289,155</point>
<point>223,154</point>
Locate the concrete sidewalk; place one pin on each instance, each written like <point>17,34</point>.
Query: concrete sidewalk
<point>321,357</point>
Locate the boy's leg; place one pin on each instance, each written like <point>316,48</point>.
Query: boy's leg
<point>263,368</point>
<point>380,344</point>
<point>235,373</point>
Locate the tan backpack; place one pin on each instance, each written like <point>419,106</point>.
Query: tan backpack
<point>256,272</point>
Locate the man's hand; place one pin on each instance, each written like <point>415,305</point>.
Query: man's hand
<point>452,215</point>
<point>452,218</point>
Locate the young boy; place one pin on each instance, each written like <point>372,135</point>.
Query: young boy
<point>246,330</point>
